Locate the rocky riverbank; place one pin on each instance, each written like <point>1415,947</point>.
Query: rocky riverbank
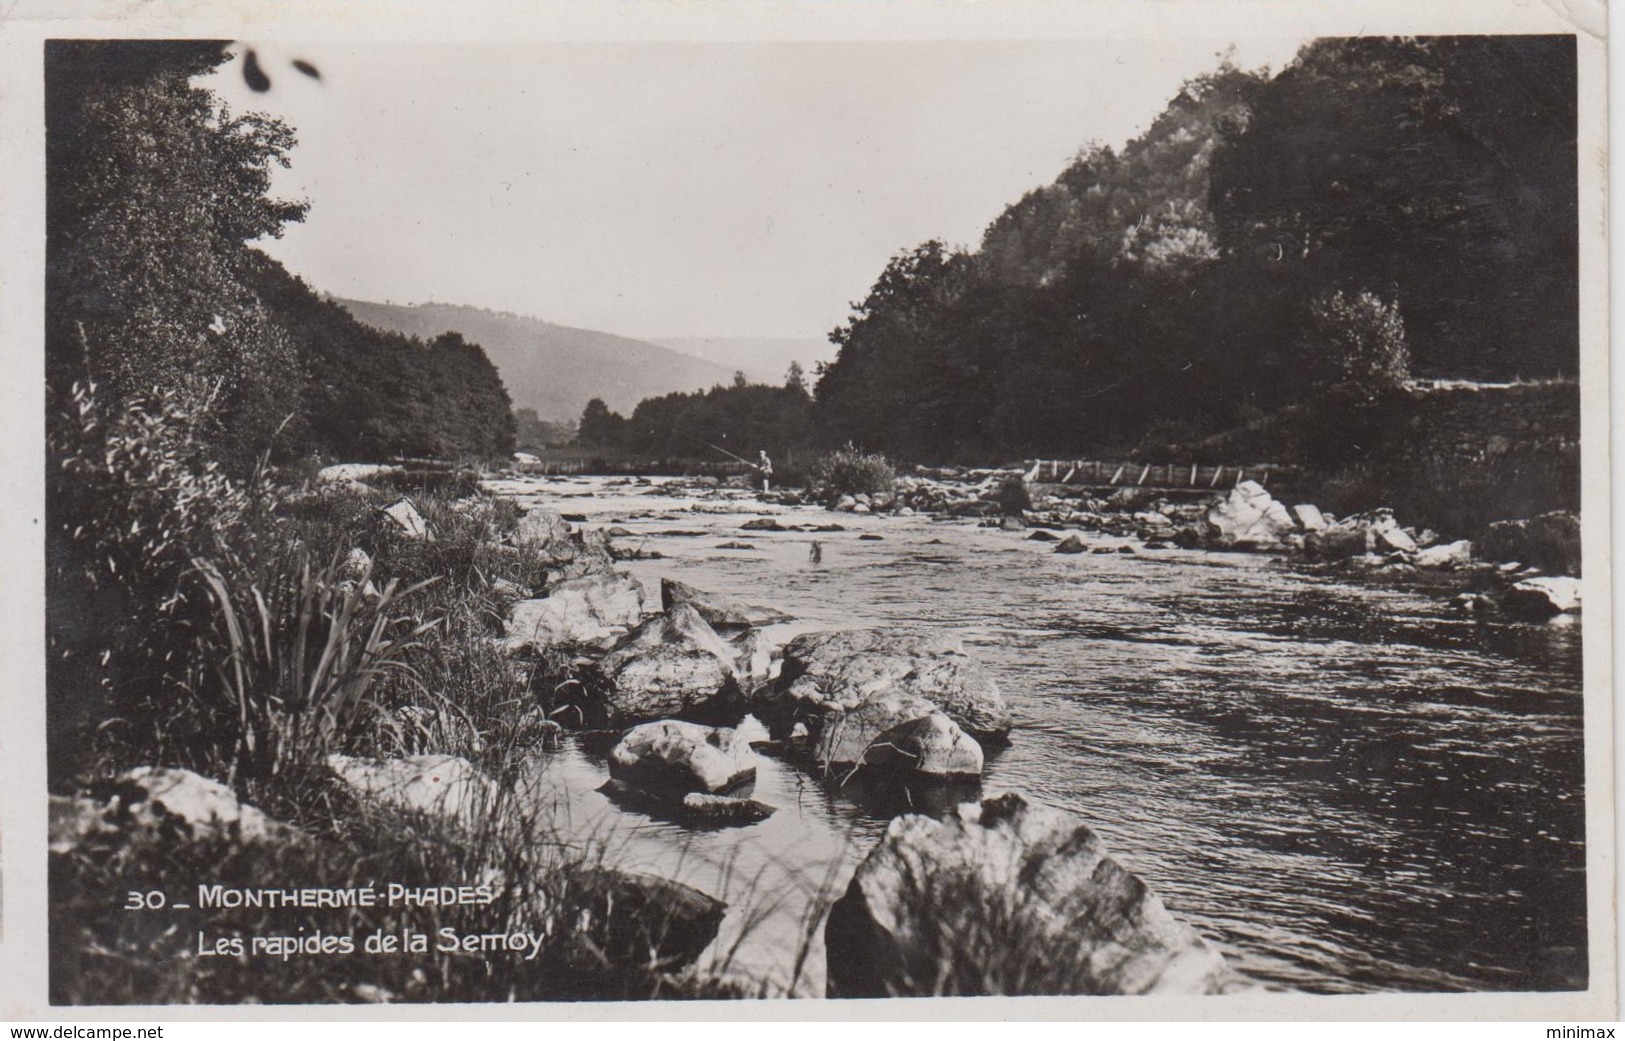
<point>658,684</point>
<point>1522,568</point>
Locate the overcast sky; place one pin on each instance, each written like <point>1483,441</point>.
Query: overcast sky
<point>667,189</point>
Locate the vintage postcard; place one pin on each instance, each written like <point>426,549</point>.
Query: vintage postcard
<point>1036,510</point>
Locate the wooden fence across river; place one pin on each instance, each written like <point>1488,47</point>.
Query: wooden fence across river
<point>1171,477</point>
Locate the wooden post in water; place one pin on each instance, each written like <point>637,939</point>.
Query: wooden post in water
<point>1142,475</point>
<point>1069,474</point>
<point>1116,475</point>
<point>1218,471</point>
<point>1193,475</point>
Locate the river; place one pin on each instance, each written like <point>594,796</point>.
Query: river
<point>1341,782</point>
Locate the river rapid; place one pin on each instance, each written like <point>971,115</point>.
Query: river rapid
<point>1340,781</point>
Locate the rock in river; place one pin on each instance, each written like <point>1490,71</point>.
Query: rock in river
<point>1248,518</point>
<point>843,670</point>
<point>588,610</point>
<point>703,808</point>
<point>1070,544</point>
<point>675,664</point>
<point>547,540</point>
<point>1550,541</point>
<point>930,746</point>
<point>1447,555</point>
<point>628,919</point>
<point>1003,896</point>
<point>1536,599</point>
<point>540,526</point>
<point>722,612</point>
<point>679,757</point>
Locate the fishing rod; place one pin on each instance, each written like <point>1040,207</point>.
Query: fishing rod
<point>725,452</point>
<point>690,437</point>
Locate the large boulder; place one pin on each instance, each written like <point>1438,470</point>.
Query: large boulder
<point>540,526</point>
<point>407,520</point>
<point>1536,599</point>
<point>544,538</point>
<point>437,785</point>
<point>675,664</point>
<point>722,612</point>
<point>628,920</point>
<point>1446,555</point>
<point>583,554</point>
<point>1309,517</point>
<point>1247,517</point>
<point>593,609</point>
<point>673,756</point>
<point>1376,532</point>
<point>843,735</point>
<point>843,670</point>
<point>1007,897</point>
<point>1550,541</point>
<point>176,802</point>
<point>928,746</point>
<point>354,474</point>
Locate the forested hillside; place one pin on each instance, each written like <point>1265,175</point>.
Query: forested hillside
<point>154,296</point>
<point>1381,209</point>
<point>554,369</point>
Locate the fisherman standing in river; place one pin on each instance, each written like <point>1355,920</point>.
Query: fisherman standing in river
<point>765,467</point>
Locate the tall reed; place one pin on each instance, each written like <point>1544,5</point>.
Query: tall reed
<point>303,654</point>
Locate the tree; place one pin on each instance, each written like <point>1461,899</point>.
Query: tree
<point>1440,172</point>
<point>154,189</point>
<point>1356,343</point>
<point>532,432</point>
<point>795,378</point>
<point>599,426</point>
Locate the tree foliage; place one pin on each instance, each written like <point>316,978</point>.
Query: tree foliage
<point>155,191</point>
<point>1388,202</point>
<point>1356,342</point>
<point>154,188</point>
<point>742,419</point>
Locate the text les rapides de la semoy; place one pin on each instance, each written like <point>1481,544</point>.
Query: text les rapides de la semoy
<point>214,897</point>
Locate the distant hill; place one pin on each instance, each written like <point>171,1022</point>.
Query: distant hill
<point>553,369</point>
<point>763,359</point>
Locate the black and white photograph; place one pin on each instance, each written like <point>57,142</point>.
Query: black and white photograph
<point>919,516</point>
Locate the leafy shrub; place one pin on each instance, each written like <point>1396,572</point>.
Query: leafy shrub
<point>1357,341</point>
<point>133,495</point>
<point>136,493</point>
<point>850,471</point>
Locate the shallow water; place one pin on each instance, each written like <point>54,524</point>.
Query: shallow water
<point>1343,784</point>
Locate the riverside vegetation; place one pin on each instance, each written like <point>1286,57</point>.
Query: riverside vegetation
<point>263,672</point>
